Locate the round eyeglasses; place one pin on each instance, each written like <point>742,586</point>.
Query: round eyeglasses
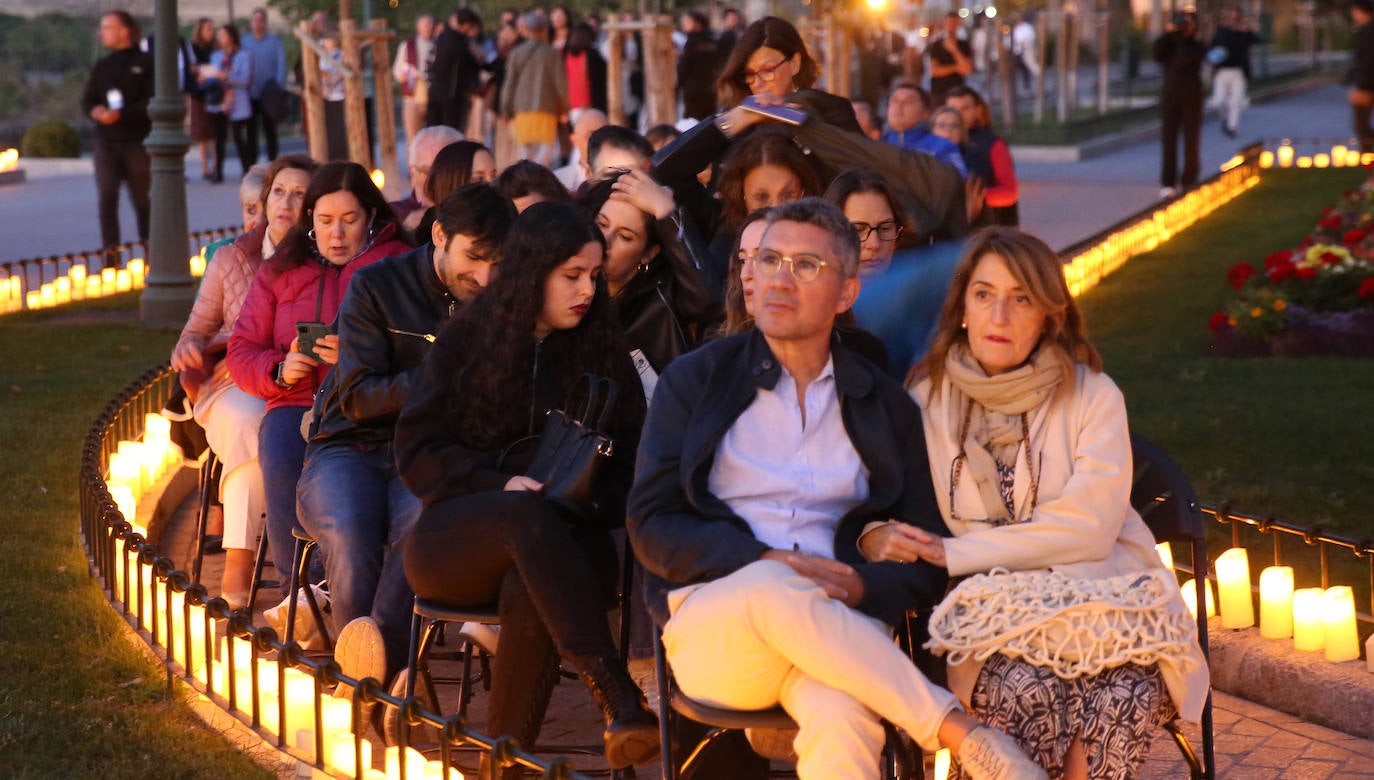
<point>887,231</point>
<point>764,75</point>
<point>805,268</point>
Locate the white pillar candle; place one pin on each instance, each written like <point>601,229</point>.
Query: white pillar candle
<point>1276,602</point>
<point>336,715</point>
<point>414,761</point>
<point>1166,555</point>
<point>1233,582</point>
<point>300,701</point>
<point>1342,637</point>
<point>124,498</point>
<point>339,755</point>
<point>93,287</point>
<point>124,281</point>
<point>1308,630</point>
<point>107,279</point>
<point>942,764</point>
<point>1190,597</point>
<point>1285,156</point>
<point>195,624</point>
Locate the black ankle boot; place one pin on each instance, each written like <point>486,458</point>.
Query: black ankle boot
<point>631,729</point>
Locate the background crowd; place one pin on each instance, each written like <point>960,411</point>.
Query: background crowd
<point>818,349</point>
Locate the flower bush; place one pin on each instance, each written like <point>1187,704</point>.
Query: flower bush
<point>1316,298</point>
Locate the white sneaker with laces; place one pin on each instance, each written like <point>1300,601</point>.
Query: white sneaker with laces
<point>989,754</point>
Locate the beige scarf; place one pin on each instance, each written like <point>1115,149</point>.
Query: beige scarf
<point>995,422</point>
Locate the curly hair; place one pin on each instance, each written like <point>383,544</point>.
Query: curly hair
<point>766,146</point>
<point>489,406</point>
<point>297,247</point>
<point>1040,272</point>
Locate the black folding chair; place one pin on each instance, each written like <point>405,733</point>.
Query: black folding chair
<point>1164,497</point>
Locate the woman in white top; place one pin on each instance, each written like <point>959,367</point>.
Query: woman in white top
<point>1031,459</point>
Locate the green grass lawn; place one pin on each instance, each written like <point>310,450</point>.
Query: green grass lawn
<point>77,699</point>
<point>1287,437</point>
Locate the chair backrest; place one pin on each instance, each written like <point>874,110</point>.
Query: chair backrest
<point>1163,496</point>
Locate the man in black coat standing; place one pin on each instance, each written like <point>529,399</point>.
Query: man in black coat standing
<point>1361,74</point>
<point>116,97</point>
<point>454,73</point>
<point>1181,54</point>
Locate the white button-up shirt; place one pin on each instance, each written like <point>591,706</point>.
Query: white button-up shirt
<point>791,481</point>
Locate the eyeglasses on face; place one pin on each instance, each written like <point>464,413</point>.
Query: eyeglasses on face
<point>805,268</point>
<point>887,231</point>
<point>746,256</point>
<point>764,75</point>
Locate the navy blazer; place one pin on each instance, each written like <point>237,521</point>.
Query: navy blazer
<point>682,534</point>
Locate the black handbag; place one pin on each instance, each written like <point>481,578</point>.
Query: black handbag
<point>573,446</point>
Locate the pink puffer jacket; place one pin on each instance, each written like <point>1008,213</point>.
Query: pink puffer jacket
<point>309,292</point>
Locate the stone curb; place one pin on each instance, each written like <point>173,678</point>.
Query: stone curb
<point>1096,147</point>
<point>1270,672</point>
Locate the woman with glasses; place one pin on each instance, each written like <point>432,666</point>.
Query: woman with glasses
<point>871,207</point>
<point>1031,459</point>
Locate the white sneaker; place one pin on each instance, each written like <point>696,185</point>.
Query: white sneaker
<point>642,672</point>
<point>307,634</point>
<point>483,635</point>
<point>1167,192</point>
<point>988,754</point>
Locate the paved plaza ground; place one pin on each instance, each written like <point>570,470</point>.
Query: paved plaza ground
<point>55,213</point>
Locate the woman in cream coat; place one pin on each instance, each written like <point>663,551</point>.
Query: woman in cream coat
<point>1031,459</point>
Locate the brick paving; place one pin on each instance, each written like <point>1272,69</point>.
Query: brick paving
<point>1252,742</point>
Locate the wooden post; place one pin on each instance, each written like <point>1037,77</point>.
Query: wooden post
<point>1061,65</point>
<point>615,77</point>
<point>355,102</point>
<point>386,106</point>
<point>1042,30</point>
<point>1075,36</point>
<point>660,73</point>
<point>1103,53</point>
<point>1007,76</point>
<point>312,98</point>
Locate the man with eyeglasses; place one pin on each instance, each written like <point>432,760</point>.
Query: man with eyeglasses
<point>763,456</point>
<point>423,148</point>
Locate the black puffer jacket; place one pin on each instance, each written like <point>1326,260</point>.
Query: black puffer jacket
<point>682,534</point>
<point>392,312</point>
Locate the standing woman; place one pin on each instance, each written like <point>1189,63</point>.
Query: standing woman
<point>1027,434</point>
<point>487,534</point>
<point>586,70</point>
<point>226,83</point>
<point>560,21</point>
<point>203,133</point>
<point>229,415</point>
<point>345,225</point>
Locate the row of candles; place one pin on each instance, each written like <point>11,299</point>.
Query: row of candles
<point>80,284</point>
<point>1315,618</point>
<point>1084,270</point>
<point>1341,156</point>
<point>135,469</point>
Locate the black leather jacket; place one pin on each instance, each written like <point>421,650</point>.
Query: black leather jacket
<point>682,534</point>
<point>392,312</point>
<point>665,308</point>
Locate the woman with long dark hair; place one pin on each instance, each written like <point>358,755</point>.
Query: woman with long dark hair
<point>458,163</point>
<point>345,225</point>
<point>225,81</point>
<point>487,534</point>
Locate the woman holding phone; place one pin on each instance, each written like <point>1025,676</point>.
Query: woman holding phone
<point>345,225</point>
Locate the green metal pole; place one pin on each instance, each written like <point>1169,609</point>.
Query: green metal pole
<point>170,289</point>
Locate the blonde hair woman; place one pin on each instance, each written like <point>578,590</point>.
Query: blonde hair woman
<point>1030,455</point>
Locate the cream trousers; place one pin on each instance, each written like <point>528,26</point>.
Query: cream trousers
<point>765,636</point>
<point>231,429</point>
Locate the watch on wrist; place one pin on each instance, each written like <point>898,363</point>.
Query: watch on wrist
<point>279,377</point>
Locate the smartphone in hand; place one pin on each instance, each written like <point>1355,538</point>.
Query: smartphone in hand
<point>307,333</point>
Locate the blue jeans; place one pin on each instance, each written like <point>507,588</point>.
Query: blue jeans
<point>355,506</point>
<point>281,448</point>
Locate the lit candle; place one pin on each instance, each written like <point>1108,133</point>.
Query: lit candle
<point>107,278</point>
<point>1233,582</point>
<point>942,764</point>
<point>379,178</point>
<point>1321,160</point>
<point>1341,636</point>
<point>338,751</point>
<point>1166,555</point>
<point>93,287</point>
<point>1285,156</point>
<point>1276,602</point>
<point>48,295</point>
<point>305,743</point>
<point>64,289</point>
<point>1190,597</point>
<point>300,700</point>
<point>195,623</point>
<point>78,275</point>
<point>124,281</point>
<point>197,265</point>
<point>125,500</point>
<point>1369,654</point>
<point>267,711</point>
<point>1352,158</point>
<point>1338,155</point>
<point>127,469</point>
<point>415,762</point>
<point>1308,630</point>
<point>336,715</point>
<point>33,299</point>
<point>137,270</point>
